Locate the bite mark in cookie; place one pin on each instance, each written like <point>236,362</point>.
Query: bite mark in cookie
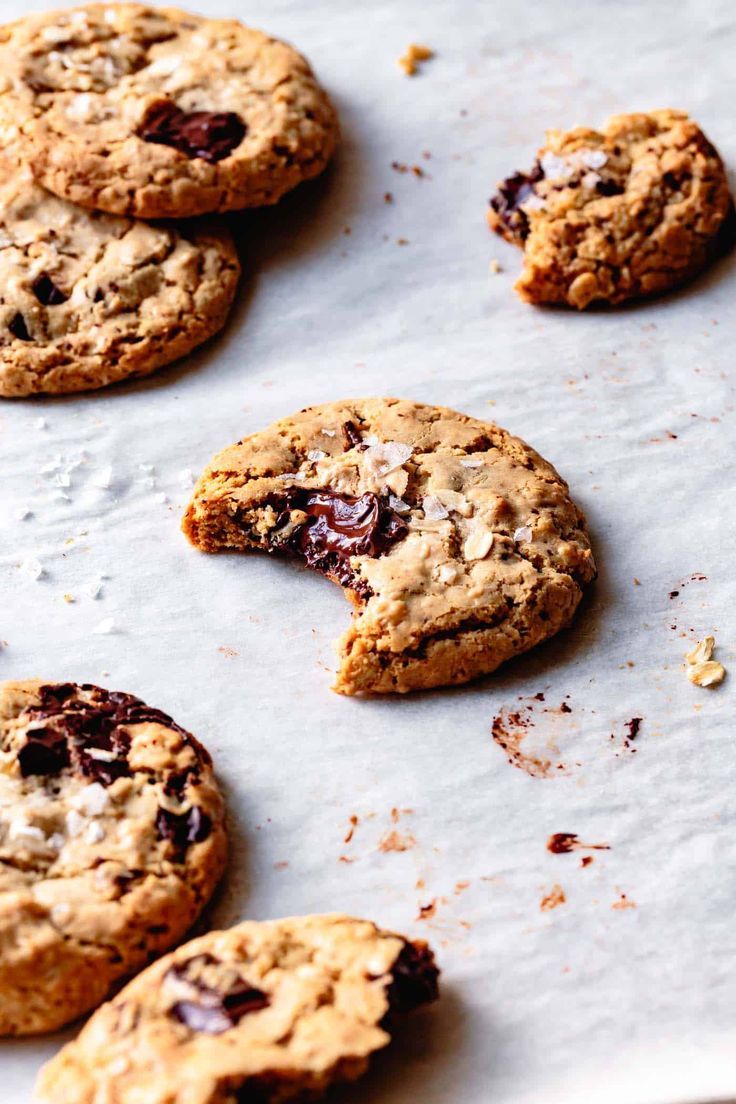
<point>272,1011</point>
<point>612,215</point>
<point>457,544</point>
<point>111,841</point>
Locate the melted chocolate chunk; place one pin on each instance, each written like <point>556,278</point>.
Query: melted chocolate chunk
<point>183,828</point>
<point>214,1011</point>
<point>341,526</point>
<point>414,979</point>
<point>210,135</point>
<point>77,729</point>
<point>514,191</point>
<point>47,292</point>
<point>44,752</point>
<point>18,328</point>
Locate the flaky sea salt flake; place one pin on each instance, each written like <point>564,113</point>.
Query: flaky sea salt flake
<point>105,627</point>
<point>433,508</point>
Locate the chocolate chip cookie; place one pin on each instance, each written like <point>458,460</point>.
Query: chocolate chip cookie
<point>89,299</point>
<point>111,842</point>
<point>607,216</point>
<point>157,113</point>
<point>458,545</point>
<point>264,1012</point>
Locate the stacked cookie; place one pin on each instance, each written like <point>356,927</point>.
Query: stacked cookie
<point>112,840</point>
<point>112,114</point>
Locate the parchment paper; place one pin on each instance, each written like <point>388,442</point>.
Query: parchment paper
<point>625,991</point>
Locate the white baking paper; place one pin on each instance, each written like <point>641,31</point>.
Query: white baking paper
<point>589,1000</point>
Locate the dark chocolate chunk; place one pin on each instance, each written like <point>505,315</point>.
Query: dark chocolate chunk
<point>609,188</point>
<point>210,135</point>
<point>47,292</point>
<point>414,979</point>
<point>44,752</point>
<point>351,436</point>
<point>18,328</point>
<point>514,191</point>
<point>86,727</point>
<point>183,828</point>
<point>214,1011</point>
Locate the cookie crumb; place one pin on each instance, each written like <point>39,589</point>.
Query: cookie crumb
<point>701,669</point>
<point>412,55</point>
<point>494,267</point>
<point>397,841</point>
<point>553,899</point>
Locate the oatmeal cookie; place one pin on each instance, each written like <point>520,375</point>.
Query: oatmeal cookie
<point>157,113</point>
<point>112,840</point>
<point>87,299</point>
<point>606,216</point>
<point>458,545</point>
<point>263,1012</point>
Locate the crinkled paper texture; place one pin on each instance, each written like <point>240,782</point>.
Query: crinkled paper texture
<point>584,1001</point>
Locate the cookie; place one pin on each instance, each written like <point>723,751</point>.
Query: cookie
<point>157,113</point>
<point>618,214</point>
<point>111,843</point>
<point>458,544</point>
<point>261,1013</point>
<point>87,299</point>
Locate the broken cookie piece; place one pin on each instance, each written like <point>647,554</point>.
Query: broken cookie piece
<point>457,544</point>
<point>606,216</point>
<point>263,1012</point>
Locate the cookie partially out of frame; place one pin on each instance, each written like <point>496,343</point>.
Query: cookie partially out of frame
<point>111,842</point>
<point>158,113</point>
<point>259,1014</point>
<point>88,299</point>
<point>458,544</point>
<point>606,216</point>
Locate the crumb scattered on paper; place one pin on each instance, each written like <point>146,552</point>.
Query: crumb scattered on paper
<point>553,899</point>
<point>413,54</point>
<point>494,267</point>
<point>702,669</point>
<point>561,843</point>
<point>397,841</point>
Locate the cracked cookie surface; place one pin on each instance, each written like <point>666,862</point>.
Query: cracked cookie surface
<point>262,1012</point>
<point>157,113</point>
<point>88,299</point>
<point>111,843</point>
<point>458,544</point>
<point>626,212</point>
